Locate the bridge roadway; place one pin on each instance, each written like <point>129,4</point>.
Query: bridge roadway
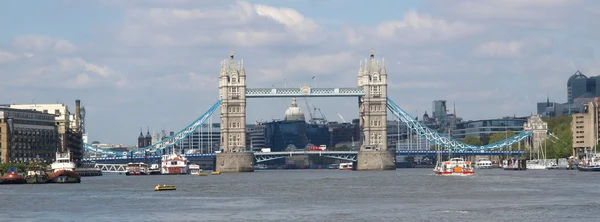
<point>342,155</point>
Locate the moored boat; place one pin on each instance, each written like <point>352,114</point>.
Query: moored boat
<point>63,170</point>
<point>483,164</point>
<point>589,163</point>
<point>36,174</point>
<point>174,163</point>
<point>260,166</point>
<point>12,177</point>
<point>136,169</point>
<point>194,169</point>
<point>154,169</point>
<point>164,187</point>
<point>454,167</point>
<point>345,166</point>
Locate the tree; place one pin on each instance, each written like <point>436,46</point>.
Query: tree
<point>561,128</point>
<point>471,140</point>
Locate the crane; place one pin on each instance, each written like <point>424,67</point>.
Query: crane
<point>341,117</point>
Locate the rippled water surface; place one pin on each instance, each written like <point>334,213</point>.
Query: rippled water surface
<point>313,195</point>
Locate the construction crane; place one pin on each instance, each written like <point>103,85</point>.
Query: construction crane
<point>313,119</point>
<point>341,117</point>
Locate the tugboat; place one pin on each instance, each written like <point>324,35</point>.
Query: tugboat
<point>454,167</point>
<point>12,177</point>
<point>63,170</point>
<point>36,174</point>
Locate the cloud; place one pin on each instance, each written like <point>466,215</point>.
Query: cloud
<point>503,55</point>
<point>7,57</point>
<point>241,24</point>
<point>35,43</point>
<point>417,28</point>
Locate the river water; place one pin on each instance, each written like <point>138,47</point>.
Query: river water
<point>313,195</point>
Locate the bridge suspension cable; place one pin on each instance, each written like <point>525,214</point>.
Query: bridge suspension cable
<point>165,143</point>
<point>438,139</point>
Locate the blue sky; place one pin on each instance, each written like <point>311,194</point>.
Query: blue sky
<point>154,63</point>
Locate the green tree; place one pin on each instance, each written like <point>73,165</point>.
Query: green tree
<point>471,140</point>
<point>561,128</point>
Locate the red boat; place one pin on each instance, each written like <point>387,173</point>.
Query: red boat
<point>63,170</point>
<point>12,177</point>
<point>64,176</point>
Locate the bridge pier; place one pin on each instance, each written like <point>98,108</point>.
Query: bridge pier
<point>235,162</point>
<point>376,160</point>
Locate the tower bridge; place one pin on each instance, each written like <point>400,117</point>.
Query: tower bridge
<point>374,104</point>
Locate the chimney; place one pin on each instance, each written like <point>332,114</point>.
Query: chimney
<point>78,115</point>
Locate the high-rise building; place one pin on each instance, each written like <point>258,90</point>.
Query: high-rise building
<point>27,136</point>
<point>581,86</point>
<point>584,127</point>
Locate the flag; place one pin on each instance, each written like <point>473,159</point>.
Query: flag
<point>313,77</point>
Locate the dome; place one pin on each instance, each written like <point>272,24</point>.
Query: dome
<point>294,112</point>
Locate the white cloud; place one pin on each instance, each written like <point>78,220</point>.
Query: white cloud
<point>241,24</point>
<point>38,43</point>
<point>418,28</point>
<point>7,57</point>
<point>491,54</point>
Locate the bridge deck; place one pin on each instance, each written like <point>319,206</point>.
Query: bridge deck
<point>303,92</point>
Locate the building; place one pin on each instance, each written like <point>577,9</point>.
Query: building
<point>581,86</point>
<point>204,140</point>
<point>553,109</point>
<point>584,127</point>
<point>69,126</point>
<point>27,136</point>
<point>294,132</point>
<point>483,129</point>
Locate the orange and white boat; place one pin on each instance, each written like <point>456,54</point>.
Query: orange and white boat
<point>454,167</point>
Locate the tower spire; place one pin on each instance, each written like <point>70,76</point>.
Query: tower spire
<point>372,53</point>
<point>231,54</point>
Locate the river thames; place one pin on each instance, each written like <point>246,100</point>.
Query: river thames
<point>313,195</point>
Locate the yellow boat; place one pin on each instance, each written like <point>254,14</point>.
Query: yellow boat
<point>216,173</point>
<point>164,187</point>
<point>202,174</point>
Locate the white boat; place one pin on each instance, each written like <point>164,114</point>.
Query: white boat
<point>260,167</point>
<point>154,169</point>
<point>536,164</point>
<point>194,169</point>
<point>346,166</point>
<point>454,167</point>
<point>483,164</point>
<point>137,169</point>
<point>174,164</point>
<point>63,169</point>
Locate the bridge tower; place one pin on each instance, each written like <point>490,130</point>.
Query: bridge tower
<point>540,134</point>
<point>374,153</point>
<point>234,156</point>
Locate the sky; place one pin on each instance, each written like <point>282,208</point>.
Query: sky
<point>155,63</point>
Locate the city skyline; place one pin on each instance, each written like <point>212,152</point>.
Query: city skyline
<point>156,63</point>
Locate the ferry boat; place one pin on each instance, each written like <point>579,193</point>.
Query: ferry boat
<point>36,174</point>
<point>454,167</point>
<point>514,164</point>
<point>136,169</point>
<point>483,164</point>
<point>63,170</point>
<point>346,166</point>
<point>174,164</point>
<point>12,177</point>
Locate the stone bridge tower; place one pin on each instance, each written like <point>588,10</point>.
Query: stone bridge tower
<point>374,153</point>
<point>234,156</point>
<point>540,133</point>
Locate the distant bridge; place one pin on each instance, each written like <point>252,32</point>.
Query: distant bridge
<point>341,155</point>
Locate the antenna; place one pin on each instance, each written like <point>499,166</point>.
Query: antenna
<point>572,65</point>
